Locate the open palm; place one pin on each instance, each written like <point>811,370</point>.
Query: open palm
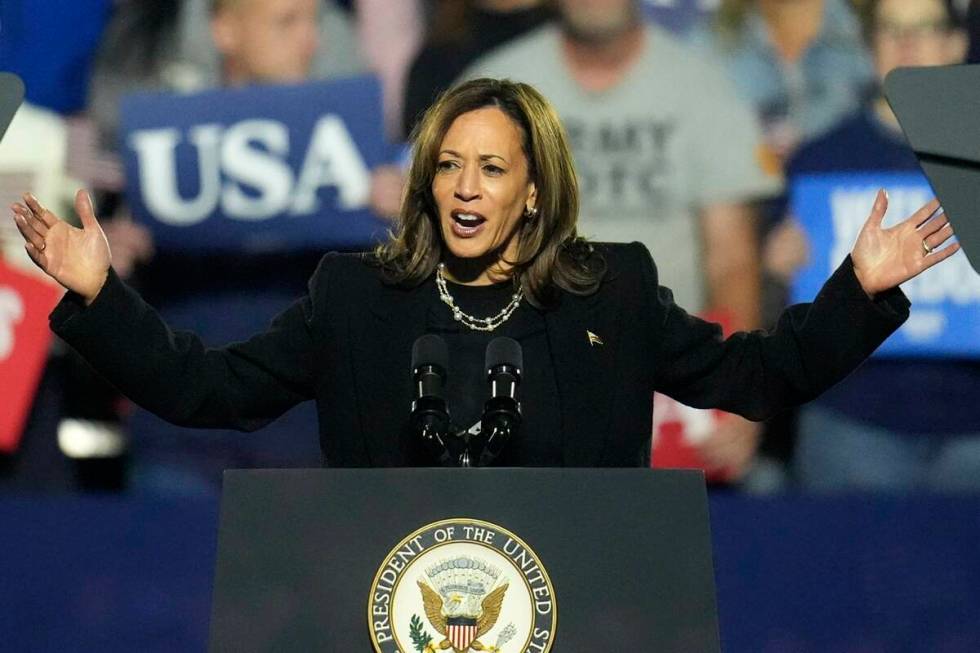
<point>78,259</point>
<point>885,258</point>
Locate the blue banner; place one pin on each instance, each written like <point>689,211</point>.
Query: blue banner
<point>945,318</point>
<point>257,169</point>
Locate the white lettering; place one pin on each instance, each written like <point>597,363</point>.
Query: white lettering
<point>478,534</point>
<point>257,168</point>
<point>537,645</point>
<point>156,158</point>
<point>332,160</point>
<point>259,183</point>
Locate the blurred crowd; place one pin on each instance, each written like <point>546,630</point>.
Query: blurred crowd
<point>686,135</point>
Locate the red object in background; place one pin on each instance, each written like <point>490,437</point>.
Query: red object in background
<point>678,430</point>
<point>25,302</point>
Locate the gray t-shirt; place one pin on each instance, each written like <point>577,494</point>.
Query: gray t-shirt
<point>668,139</point>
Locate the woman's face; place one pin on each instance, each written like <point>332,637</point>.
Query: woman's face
<point>481,189</point>
<point>915,33</point>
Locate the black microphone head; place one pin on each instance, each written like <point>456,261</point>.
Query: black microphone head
<point>430,349</point>
<point>504,351</point>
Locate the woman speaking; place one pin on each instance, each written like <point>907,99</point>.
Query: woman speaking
<point>485,246</point>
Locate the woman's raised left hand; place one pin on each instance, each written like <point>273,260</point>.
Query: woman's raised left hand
<point>885,258</point>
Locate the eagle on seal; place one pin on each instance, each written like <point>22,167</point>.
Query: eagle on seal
<point>485,619</point>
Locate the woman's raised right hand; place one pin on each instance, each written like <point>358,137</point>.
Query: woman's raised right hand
<point>78,259</point>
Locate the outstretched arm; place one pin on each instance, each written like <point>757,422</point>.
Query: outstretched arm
<point>813,345</point>
<point>169,373</point>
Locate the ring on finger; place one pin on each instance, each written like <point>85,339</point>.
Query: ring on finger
<point>926,247</point>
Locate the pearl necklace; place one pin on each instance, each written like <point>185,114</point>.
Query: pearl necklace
<point>475,323</point>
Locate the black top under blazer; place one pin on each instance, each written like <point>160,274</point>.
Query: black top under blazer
<point>347,344</point>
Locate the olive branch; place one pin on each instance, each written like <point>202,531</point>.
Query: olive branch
<point>420,638</point>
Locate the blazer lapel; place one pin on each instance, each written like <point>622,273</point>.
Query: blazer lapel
<point>583,336</point>
<point>382,351</point>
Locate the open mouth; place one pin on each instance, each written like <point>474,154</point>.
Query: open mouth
<point>466,224</point>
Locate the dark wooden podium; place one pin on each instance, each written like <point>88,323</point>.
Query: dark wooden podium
<point>627,552</point>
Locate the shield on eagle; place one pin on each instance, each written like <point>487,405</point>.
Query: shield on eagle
<point>461,632</point>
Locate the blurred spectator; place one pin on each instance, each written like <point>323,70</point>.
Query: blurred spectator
<point>188,45</point>
<point>139,51</point>
<point>390,34</point>
<point>267,26</point>
<point>874,431</point>
<point>801,64</point>
<point>460,32</point>
<point>279,26</point>
<point>666,154</point>
<point>172,45</point>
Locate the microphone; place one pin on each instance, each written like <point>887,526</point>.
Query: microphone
<point>502,413</point>
<point>430,414</point>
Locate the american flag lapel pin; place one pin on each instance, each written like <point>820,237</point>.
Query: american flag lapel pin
<point>594,339</point>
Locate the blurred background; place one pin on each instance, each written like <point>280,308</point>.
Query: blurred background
<point>721,133</point>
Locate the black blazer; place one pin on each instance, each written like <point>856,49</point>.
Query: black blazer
<point>348,344</point>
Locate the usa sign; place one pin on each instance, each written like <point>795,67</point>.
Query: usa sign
<point>262,168</point>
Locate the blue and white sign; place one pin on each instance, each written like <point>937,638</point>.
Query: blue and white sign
<point>945,317</point>
<point>263,168</point>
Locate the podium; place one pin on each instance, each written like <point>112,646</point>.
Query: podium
<point>486,559</point>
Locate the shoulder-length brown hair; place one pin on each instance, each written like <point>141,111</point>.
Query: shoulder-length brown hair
<point>550,254</point>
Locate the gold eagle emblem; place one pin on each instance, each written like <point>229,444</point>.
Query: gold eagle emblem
<point>485,619</point>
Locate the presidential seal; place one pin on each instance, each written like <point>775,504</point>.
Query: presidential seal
<point>462,585</point>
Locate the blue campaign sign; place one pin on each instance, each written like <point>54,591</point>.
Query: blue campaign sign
<point>262,168</point>
<point>945,317</point>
